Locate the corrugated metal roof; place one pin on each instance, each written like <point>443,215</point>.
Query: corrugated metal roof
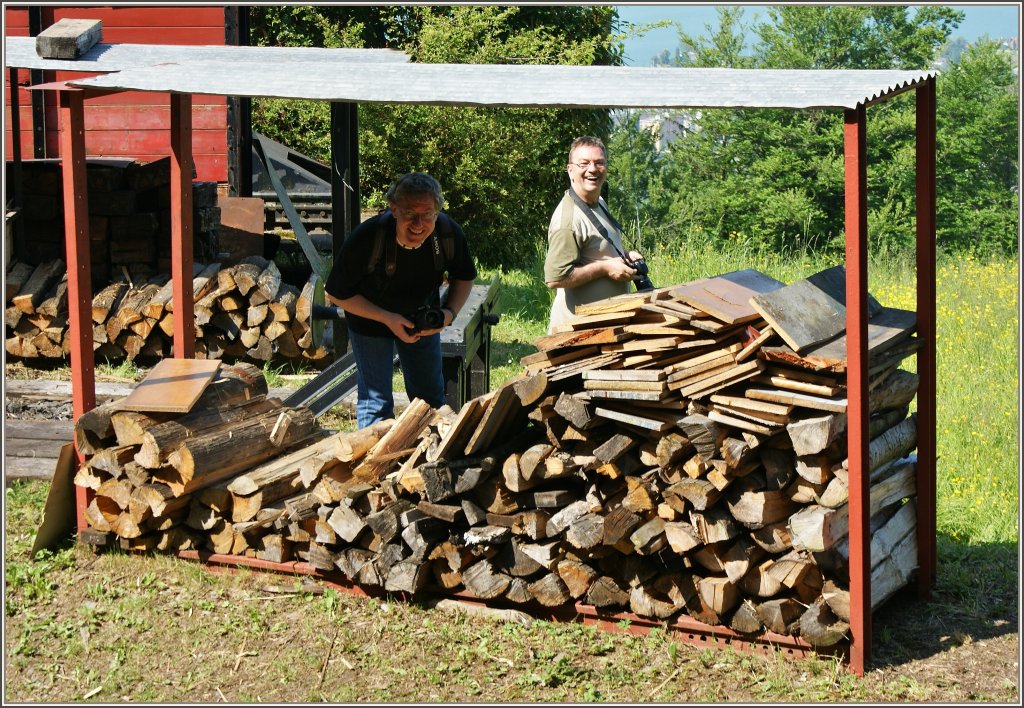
<point>20,52</point>
<point>519,85</point>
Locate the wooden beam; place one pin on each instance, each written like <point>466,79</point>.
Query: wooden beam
<point>181,225</point>
<point>76,237</point>
<point>926,308</point>
<point>855,150</point>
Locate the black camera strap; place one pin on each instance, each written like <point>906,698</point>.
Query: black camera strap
<point>589,211</point>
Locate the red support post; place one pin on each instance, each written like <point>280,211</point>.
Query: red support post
<point>855,149</point>
<point>76,237</point>
<point>926,309</point>
<point>181,226</point>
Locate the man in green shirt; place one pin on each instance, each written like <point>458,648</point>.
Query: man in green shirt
<point>583,264</point>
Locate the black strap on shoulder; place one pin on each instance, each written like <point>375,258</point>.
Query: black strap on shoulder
<point>382,240</point>
<point>588,210</point>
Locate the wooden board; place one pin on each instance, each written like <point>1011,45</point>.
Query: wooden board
<point>727,297</point>
<point>618,303</point>
<point>723,379</point>
<point>581,338</point>
<point>172,386</point>
<point>649,421</point>
<point>887,329</point>
<point>606,319</point>
<point>803,400</point>
<point>623,375</point>
<point>809,311</point>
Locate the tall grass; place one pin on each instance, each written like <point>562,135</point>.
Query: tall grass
<point>977,363</point>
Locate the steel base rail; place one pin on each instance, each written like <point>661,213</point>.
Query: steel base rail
<point>684,628</point>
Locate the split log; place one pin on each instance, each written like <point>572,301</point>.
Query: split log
<point>206,459</point>
<point>38,284</point>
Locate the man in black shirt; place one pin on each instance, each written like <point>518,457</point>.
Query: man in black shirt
<point>390,268</point>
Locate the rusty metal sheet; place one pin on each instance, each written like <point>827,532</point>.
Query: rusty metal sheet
<point>172,386</point>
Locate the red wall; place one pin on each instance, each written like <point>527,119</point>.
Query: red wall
<point>131,124</point>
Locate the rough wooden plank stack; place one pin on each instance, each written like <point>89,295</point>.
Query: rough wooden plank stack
<point>242,313</point>
<point>628,468</point>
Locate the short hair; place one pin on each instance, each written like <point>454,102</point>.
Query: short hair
<point>587,141</point>
<point>415,184</point>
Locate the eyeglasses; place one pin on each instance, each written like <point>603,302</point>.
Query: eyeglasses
<point>414,217</point>
<point>598,164</point>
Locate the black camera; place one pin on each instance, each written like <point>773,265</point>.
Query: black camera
<point>427,317</point>
<point>641,281</point>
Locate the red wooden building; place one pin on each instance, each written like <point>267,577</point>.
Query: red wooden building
<point>130,124</point>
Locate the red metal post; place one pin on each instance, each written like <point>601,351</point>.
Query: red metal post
<point>76,238</point>
<point>181,226</point>
<point>926,308</point>
<point>855,149</point>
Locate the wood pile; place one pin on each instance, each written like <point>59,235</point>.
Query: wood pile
<point>243,312</point>
<point>129,225</point>
<point>667,453</point>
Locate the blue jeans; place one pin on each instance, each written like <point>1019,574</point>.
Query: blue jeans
<point>421,369</point>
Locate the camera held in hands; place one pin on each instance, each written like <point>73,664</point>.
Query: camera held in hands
<point>641,281</point>
<point>427,317</point>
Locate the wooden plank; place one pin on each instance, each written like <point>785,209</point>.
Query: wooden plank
<point>792,384</point>
<point>29,467</point>
<point>553,358</point>
<point>603,319</point>
<point>836,405</point>
<point>643,344</point>
<point>723,379</point>
<point>752,414</point>
<point>54,430</point>
<point>581,338</point>
<point>809,311</point>
<point>885,331</point>
<point>622,395</point>
<point>727,297</point>
<point>619,303</point>
<point>753,406</point>
<point>624,375</point>
<point>741,423</point>
<point>603,385</point>
<point>648,420</point>
<point>172,386</point>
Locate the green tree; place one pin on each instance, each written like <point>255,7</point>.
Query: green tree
<point>977,143</point>
<point>502,169</point>
<point>775,178</point>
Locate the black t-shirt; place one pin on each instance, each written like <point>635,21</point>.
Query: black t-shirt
<point>415,281</point>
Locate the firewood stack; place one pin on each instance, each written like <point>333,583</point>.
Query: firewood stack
<point>243,312</point>
<point>656,456</point>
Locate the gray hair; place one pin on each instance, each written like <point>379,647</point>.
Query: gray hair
<point>587,141</point>
<point>415,184</point>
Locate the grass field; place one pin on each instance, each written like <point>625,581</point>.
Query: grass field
<point>113,628</point>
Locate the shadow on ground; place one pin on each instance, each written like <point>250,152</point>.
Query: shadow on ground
<point>975,597</point>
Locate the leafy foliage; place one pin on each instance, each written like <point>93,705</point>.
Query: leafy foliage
<point>774,179</point>
<point>502,169</point>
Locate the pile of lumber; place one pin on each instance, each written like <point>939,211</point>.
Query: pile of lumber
<point>667,453</point>
<point>129,216</point>
<point>243,312</point>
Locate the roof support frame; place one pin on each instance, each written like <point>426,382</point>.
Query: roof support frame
<point>855,141</point>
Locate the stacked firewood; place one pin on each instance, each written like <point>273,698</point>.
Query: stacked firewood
<point>654,456</point>
<point>243,312</point>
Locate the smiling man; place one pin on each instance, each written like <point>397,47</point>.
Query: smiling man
<point>584,260</point>
<point>387,278</point>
